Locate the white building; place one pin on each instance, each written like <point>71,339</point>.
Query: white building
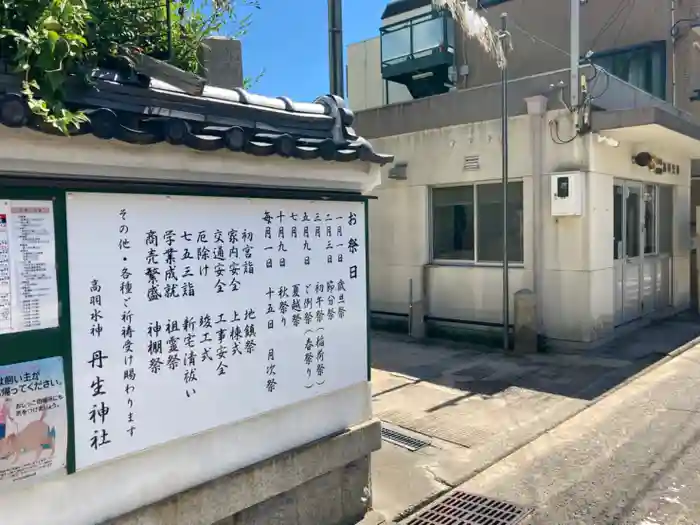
<point>602,242</point>
<point>621,254</point>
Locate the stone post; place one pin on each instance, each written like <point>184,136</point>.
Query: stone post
<point>525,332</point>
<point>221,60</point>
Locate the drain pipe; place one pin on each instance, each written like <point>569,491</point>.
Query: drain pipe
<point>503,37</point>
<point>673,52</point>
<point>537,110</point>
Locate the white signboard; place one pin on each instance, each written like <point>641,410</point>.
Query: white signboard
<point>28,289</point>
<point>192,312</point>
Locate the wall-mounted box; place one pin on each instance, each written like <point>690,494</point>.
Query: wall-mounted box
<point>567,193</point>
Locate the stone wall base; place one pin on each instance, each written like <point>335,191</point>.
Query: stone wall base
<point>336,498</point>
<point>325,482</point>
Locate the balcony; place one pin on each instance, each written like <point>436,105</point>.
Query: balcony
<point>484,103</point>
<point>419,53</point>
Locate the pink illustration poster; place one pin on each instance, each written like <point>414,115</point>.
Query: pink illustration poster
<point>33,421</point>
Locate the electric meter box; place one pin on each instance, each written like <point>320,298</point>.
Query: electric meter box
<point>567,191</point>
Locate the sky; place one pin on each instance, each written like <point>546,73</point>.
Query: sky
<point>288,39</point>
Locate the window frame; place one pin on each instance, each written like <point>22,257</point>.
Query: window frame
<point>655,221</point>
<point>475,262</point>
<point>408,24</point>
<point>651,48</point>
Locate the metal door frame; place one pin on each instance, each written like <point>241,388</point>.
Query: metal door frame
<point>627,267</point>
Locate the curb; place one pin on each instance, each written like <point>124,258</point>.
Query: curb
<point>417,507</point>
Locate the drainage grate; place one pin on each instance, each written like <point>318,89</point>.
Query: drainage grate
<point>462,508</point>
<point>402,440</point>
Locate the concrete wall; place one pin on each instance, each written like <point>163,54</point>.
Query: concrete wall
<point>366,87</point>
<point>540,36</point>
<point>484,103</point>
<point>576,286</point>
<point>143,482</point>
<point>324,482</point>
<point>400,220</point>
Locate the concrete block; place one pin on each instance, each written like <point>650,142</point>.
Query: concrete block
<point>417,320</point>
<point>321,500</point>
<point>322,479</point>
<point>355,488</point>
<point>222,62</point>
<point>525,333</point>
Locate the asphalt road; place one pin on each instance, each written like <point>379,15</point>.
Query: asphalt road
<point>633,458</point>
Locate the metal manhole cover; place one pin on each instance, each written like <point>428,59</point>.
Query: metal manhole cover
<point>402,440</point>
<point>462,508</point>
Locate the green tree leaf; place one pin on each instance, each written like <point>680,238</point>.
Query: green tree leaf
<point>48,41</point>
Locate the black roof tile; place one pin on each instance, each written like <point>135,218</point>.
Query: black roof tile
<point>132,110</point>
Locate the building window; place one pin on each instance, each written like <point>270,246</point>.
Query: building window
<point>396,42</point>
<point>415,37</point>
<point>467,223</point>
<point>643,66</point>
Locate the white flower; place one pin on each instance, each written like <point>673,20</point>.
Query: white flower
<point>474,26</point>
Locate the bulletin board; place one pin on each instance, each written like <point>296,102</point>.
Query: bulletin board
<point>35,368</point>
<point>188,312</point>
<point>295,260</point>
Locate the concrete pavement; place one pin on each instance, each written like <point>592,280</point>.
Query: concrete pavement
<point>476,407</point>
<point>631,459</point>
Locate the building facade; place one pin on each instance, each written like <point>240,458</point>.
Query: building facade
<point>601,241</point>
<point>648,43</point>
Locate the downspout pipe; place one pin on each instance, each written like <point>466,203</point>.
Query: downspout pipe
<point>674,38</point>
<point>537,110</point>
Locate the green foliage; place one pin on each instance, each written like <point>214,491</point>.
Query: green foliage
<point>54,43</point>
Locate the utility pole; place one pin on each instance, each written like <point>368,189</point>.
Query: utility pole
<point>503,40</point>
<point>575,50</point>
<point>335,47</point>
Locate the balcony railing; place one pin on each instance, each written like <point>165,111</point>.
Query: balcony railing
<point>417,38</point>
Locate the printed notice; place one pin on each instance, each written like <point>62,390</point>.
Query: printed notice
<point>33,437</point>
<point>32,255</point>
<point>188,313</point>
<point>5,296</point>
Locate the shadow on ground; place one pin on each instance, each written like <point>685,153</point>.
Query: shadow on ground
<point>487,372</point>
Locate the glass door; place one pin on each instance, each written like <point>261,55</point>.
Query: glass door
<point>632,268</point>
<point>619,248</point>
<point>631,235</point>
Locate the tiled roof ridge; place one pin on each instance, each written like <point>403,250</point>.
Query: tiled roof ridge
<point>148,111</point>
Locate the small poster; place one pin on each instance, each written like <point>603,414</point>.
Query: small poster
<point>5,296</point>
<point>33,420</point>
<point>33,262</point>
<point>28,287</point>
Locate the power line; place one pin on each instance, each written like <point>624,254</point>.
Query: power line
<point>537,38</point>
<point>613,18</point>
<point>622,27</point>
<point>596,69</point>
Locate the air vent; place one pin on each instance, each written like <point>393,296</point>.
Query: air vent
<point>471,163</point>
<point>402,440</point>
<point>399,171</point>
